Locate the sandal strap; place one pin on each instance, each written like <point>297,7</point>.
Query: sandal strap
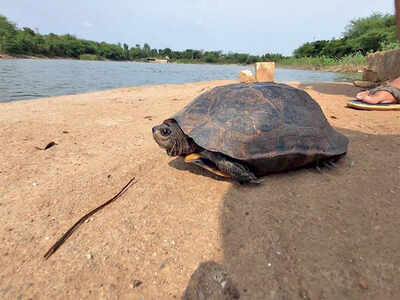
<point>387,88</point>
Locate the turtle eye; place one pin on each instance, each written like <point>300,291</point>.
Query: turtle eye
<point>165,131</point>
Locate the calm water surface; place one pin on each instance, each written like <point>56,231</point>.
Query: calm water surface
<point>35,78</point>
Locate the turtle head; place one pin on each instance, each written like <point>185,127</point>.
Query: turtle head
<point>170,136</point>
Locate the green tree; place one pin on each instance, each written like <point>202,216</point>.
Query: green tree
<point>166,52</point>
<point>367,34</point>
<point>27,41</point>
<point>8,31</point>
<point>146,49</point>
<point>212,56</point>
<point>272,57</point>
<point>363,35</point>
<point>126,51</point>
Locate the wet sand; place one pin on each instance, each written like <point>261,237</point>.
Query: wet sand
<point>300,234</point>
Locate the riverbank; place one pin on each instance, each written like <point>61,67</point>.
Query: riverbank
<point>314,64</point>
<point>349,63</point>
<point>335,68</point>
<point>23,56</point>
<point>299,233</point>
<point>8,56</point>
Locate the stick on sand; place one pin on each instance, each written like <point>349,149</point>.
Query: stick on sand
<point>84,218</point>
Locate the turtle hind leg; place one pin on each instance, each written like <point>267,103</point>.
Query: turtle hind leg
<point>238,172</point>
<point>235,169</point>
<point>327,163</point>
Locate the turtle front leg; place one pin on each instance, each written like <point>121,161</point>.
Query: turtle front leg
<point>226,165</point>
<point>196,159</point>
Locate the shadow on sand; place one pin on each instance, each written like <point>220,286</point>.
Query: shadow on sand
<point>306,235</point>
<point>329,88</point>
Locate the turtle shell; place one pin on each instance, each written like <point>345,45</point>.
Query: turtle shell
<point>269,125</point>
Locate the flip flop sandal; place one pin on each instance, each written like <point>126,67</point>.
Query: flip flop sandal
<point>358,104</point>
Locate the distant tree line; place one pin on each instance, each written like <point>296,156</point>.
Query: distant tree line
<point>363,35</point>
<point>26,41</point>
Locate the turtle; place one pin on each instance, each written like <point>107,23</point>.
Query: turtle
<point>248,130</point>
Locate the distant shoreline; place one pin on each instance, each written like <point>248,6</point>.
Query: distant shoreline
<point>336,68</point>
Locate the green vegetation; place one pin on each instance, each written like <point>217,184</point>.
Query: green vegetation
<point>361,36</point>
<point>25,41</point>
<point>347,63</point>
<point>364,35</point>
<point>90,57</point>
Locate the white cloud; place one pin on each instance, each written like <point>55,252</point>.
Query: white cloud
<point>87,24</point>
<point>199,21</point>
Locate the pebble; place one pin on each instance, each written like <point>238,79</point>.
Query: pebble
<point>136,283</point>
<point>201,295</point>
<point>363,284</point>
<point>164,264</point>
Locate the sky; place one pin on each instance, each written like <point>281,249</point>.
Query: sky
<point>246,26</point>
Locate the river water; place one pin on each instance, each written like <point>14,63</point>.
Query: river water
<point>36,78</point>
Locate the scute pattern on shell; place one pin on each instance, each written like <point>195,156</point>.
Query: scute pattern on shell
<point>259,121</point>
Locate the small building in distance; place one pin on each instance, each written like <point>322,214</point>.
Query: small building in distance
<point>156,60</point>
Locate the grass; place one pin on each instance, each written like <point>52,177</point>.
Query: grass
<point>349,63</point>
<point>90,57</point>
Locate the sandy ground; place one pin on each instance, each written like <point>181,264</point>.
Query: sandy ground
<point>299,235</point>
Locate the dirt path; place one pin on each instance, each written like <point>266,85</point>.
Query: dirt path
<point>300,235</point>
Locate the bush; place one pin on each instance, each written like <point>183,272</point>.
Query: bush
<point>374,33</point>
<point>90,57</point>
<point>384,46</point>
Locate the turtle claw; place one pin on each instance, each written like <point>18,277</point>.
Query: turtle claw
<point>256,181</point>
<point>318,169</point>
<point>332,164</point>
<point>329,165</point>
<point>248,180</point>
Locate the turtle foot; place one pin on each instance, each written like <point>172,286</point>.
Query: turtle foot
<point>257,181</point>
<point>238,172</point>
<point>223,166</point>
<point>330,164</point>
